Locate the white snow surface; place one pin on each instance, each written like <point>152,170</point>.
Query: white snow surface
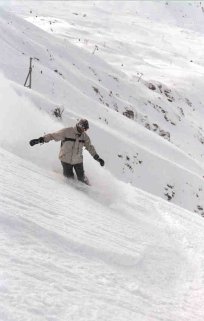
<point>115,250</point>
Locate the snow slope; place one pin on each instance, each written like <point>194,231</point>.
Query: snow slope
<point>70,252</point>
<point>115,250</point>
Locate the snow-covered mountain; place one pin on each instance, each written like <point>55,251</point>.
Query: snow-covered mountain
<point>138,80</point>
<point>115,250</point>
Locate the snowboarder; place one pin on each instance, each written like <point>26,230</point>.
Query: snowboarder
<point>73,139</point>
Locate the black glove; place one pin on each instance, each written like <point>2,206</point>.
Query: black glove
<point>100,160</point>
<point>36,141</point>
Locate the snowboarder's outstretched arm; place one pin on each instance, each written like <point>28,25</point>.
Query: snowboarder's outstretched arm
<point>59,135</point>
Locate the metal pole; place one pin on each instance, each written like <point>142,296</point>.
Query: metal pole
<point>29,75</point>
<point>30,72</point>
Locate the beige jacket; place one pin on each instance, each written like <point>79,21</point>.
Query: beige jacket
<point>72,143</point>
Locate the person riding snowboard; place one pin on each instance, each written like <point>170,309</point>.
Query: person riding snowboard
<point>73,139</point>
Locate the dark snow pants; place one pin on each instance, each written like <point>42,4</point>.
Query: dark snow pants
<point>69,173</point>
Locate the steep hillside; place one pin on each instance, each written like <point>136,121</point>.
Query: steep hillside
<point>152,123</point>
